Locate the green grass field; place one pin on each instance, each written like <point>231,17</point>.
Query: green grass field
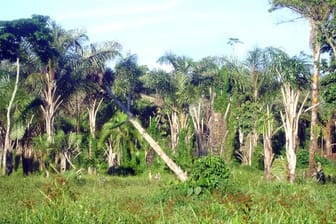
<point>108,199</point>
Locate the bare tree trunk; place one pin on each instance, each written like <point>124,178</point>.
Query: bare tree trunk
<point>198,121</point>
<point>314,113</point>
<point>170,163</point>
<point>268,154</point>
<point>268,134</point>
<point>247,146</point>
<point>290,121</point>
<point>52,104</point>
<point>329,128</point>
<point>93,110</point>
<point>112,157</point>
<point>253,141</point>
<point>173,124</point>
<point>177,121</point>
<point>63,162</point>
<point>7,152</point>
<point>210,127</point>
<point>243,150</point>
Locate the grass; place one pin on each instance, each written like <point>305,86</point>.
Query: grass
<point>106,199</point>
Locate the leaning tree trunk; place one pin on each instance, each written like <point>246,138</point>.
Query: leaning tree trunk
<point>7,152</point>
<point>156,147</point>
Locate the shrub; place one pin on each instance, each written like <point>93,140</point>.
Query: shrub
<point>208,173</point>
<point>302,158</point>
<point>324,161</point>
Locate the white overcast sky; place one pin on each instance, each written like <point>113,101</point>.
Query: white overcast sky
<point>195,28</point>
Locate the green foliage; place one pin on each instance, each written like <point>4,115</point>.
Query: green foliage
<point>58,191</point>
<point>279,169</point>
<point>257,157</point>
<point>294,71</point>
<point>321,159</point>
<point>35,33</point>
<point>302,158</point>
<point>207,174</point>
<point>125,141</point>
<point>246,116</point>
<point>40,143</point>
<point>328,91</point>
<point>126,82</point>
<point>183,154</point>
<point>158,81</point>
<point>222,89</point>
<point>158,132</point>
<point>17,131</point>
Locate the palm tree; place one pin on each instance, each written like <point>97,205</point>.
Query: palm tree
<point>120,141</point>
<point>178,99</point>
<point>318,13</point>
<point>126,83</point>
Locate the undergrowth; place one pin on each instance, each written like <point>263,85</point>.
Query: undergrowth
<point>247,198</point>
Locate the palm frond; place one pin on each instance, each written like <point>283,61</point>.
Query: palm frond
<point>96,55</point>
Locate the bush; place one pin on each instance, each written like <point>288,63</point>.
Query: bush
<point>302,158</point>
<point>324,161</point>
<point>208,173</point>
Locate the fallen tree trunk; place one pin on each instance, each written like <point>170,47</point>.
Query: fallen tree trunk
<point>156,147</point>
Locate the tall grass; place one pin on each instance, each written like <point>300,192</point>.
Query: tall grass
<point>106,199</point>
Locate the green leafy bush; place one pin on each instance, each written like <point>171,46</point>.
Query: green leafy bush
<point>302,158</point>
<point>208,173</point>
<point>324,161</point>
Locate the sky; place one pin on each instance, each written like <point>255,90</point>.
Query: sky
<point>193,28</point>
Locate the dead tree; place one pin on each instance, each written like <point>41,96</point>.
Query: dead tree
<point>290,120</point>
<point>8,148</point>
<point>93,110</point>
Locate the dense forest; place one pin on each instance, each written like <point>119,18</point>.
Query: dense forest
<point>62,108</point>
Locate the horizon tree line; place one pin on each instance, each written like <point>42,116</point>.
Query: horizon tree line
<point>70,111</point>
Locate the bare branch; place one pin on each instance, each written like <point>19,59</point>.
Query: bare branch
<point>289,20</point>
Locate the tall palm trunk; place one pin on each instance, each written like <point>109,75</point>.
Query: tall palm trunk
<point>315,81</point>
